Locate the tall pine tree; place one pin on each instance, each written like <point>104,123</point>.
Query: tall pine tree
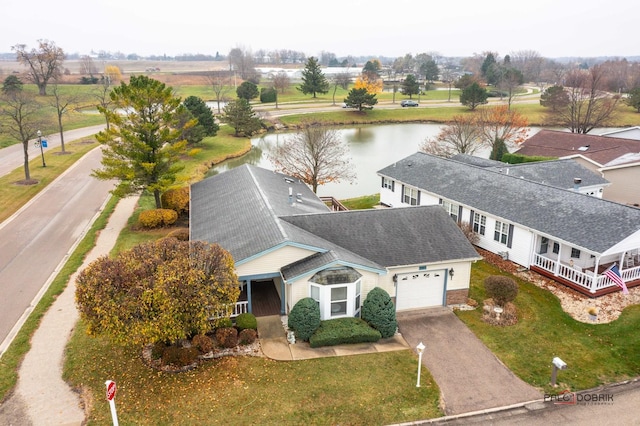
<point>313,80</point>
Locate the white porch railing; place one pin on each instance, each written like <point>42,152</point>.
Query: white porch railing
<point>232,311</point>
<point>583,279</point>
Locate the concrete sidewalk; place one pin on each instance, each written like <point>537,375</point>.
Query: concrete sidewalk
<point>41,396</point>
<point>274,344</point>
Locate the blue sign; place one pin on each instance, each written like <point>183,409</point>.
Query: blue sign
<point>44,143</point>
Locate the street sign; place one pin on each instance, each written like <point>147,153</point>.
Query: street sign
<point>111,390</point>
<point>44,143</point>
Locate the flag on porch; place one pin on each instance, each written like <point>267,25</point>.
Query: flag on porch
<point>614,275</point>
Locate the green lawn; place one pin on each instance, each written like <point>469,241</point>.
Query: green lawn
<point>595,353</point>
<point>373,389</point>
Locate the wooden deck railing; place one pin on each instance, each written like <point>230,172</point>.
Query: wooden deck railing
<point>333,204</point>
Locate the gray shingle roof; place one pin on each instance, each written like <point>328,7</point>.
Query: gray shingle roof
<point>392,237</point>
<point>238,209</point>
<point>585,221</point>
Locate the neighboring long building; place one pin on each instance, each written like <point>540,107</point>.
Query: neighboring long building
<point>560,232</point>
<point>617,159</point>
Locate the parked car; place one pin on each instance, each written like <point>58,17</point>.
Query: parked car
<point>408,103</point>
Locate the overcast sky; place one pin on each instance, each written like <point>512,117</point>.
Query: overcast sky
<point>553,28</point>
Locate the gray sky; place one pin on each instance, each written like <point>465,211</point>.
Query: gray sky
<point>553,28</point>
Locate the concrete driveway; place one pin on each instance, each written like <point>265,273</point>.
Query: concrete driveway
<point>470,377</point>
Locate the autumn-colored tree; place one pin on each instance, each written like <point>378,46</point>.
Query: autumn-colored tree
<point>143,145</point>
<point>460,136</point>
<point>160,291</point>
<point>369,82</point>
<point>113,73</point>
<point>44,63</point>
<point>316,155</point>
<point>500,129</point>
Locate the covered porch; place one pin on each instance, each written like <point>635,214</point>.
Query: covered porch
<point>584,270</point>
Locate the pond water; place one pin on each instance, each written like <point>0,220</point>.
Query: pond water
<point>372,148</point>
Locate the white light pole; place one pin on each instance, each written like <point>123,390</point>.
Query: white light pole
<point>420,349</point>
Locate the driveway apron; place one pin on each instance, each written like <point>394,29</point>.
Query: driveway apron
<point>469,375</point>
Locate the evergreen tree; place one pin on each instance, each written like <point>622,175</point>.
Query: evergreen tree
<point>473,96</point>
<point>143,143</point>
<point>239,115</point>
<point>360,99</point>
<point>247,90</point>
<point>202,112</point>
<point>410,86</point>
<point>313,80</point>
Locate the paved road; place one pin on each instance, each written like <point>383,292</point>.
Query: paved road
<point>36,241</point>
<point>12,157</point>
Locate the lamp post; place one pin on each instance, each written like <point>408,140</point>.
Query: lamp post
<point>420,349</point>
<point>41,149</point>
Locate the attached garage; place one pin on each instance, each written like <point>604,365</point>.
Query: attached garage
<point>420,290</point>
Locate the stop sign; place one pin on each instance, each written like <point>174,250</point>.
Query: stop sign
<point>111,390</point>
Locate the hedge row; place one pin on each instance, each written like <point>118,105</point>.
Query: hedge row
<point>157,217</point>
<point>343,330</point>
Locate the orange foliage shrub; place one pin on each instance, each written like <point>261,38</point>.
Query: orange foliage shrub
<point>157,217</point>
<point>176,199</point>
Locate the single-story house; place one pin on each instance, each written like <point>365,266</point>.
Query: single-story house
<point>288,245</point>
<point>617,159</point>
<point>626,133</point>
<point>561,233</point>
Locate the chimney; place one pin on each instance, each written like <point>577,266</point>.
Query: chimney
<point>576,184</point>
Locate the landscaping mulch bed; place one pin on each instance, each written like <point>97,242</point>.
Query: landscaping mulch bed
<point>574,303</point>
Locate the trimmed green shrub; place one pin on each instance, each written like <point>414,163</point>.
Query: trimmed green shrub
<point>157,217</point>
<point>268,94</point>
<point>519,158</point>
<point>227,337</point>
<point>203,343</point>
<point>176,199</point>
<point>222,323</point>
<point>379,312</point>
<point>342,331</point>
<point>501,289</point>
<point>246,321</point>
<point>247,336</point>
<point>304,318</point>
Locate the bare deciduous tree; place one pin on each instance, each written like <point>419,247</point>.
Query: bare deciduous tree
<point>220,82</point>
<point>460,136</point>
<point>63,104</point>
<point>87,66</point>
<point>281,81</point>
<point>589,106</point>
<point>20,118</point>
<point>316,155</point>
<point>44,63</point>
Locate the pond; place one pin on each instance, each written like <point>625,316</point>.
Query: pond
<point>372,148</point>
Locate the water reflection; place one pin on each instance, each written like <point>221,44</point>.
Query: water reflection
<point>372,148</point>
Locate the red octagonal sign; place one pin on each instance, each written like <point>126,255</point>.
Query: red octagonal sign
<point>111,390</point>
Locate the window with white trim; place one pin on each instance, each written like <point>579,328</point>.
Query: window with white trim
<point>501,233</point>
<point>544,245</point>
<point>575,253</point>
<point>410,196</point>
<point>479,223</point>
<point>337,291</point>
<point>452,209</point>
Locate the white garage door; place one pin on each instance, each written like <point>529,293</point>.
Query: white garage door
<point>420,290</point>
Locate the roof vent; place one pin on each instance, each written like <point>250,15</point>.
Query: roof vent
<point>584,148</point>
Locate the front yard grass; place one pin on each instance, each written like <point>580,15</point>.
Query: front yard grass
<point>595,353</point>
<point>371,389</point>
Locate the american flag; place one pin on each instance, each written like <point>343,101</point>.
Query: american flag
<point>614,275</point>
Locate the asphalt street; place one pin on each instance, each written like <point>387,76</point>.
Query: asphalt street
<point>37,240</point>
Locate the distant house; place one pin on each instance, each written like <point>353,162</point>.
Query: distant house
<point>627,133</point>
<point>288,245</point>
<point>616,158</point>
<point>545,226</point>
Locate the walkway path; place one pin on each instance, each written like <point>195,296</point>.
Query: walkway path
<point>41,396</point>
